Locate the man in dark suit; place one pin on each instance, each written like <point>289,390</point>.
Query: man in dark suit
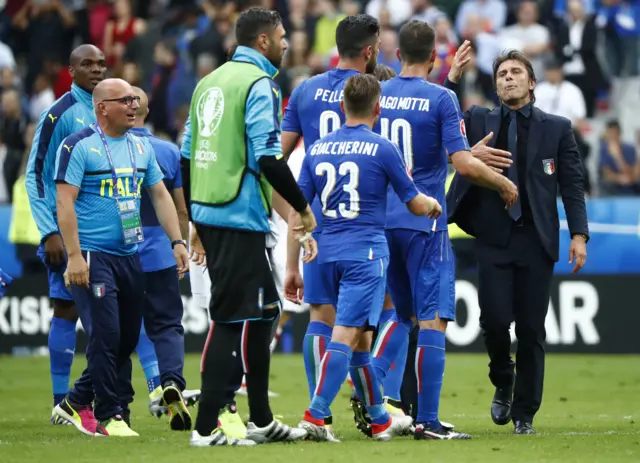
<point>518,247</point>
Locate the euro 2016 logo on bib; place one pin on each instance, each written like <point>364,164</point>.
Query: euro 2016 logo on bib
<point>463,128</point>
<point>98,290</point>
<point>549,166</point>
<point>209,110</point>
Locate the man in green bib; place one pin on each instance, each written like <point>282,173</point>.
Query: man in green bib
<point>232,157</point>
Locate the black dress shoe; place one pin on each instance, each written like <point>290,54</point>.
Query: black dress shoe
<point>524,427</point>
<point>501,405</point>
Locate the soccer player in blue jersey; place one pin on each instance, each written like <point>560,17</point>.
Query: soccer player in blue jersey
<point>163,310</point>
<point>312,113</point>
<point>70,113</point>
<point>350,171</point>
<point>425,121</point>
<point>99,173</point>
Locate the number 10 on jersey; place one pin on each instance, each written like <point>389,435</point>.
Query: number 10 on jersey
<point>399,131</point>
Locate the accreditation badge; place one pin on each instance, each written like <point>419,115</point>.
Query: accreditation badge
<point>130,220</point>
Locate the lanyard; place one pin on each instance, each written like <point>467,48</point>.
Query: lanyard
<point>98,129</point>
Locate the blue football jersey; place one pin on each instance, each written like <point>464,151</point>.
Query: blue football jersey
<point>424,120</point>
<point>155,251</point>
<point>350,171</point>
<point>314,112</point>
<point>81,161</point>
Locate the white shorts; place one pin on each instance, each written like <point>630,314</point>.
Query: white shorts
<point>277,256</point>
<point>278,259</point>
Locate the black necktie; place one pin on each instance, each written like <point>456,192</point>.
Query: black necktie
<point>516,210</point>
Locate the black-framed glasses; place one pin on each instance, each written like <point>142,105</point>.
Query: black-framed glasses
<point>128,100</point>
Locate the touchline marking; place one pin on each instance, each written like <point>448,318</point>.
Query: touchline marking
<point>608,228</point>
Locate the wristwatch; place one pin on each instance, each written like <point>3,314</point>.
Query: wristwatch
<point>182,242</point>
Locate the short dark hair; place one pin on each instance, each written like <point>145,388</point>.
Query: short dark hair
<point>515,55</point>
<point>383,72</point>
<point>613,124</point>
<point>354,33</point>
<point>416,41</point>
<point>361,92</point>
<point>253,22</point>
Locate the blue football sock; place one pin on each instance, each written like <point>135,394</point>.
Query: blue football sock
<point>333,371</point>
<point>148,360</point>
<point>429,372</point>
<point>393,338</point>
<point>367,386</point>
<point>392,382</point>
<point>316,340</point>
<point>62,346</point>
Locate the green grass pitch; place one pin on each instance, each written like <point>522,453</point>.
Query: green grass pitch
<point>590,413</point>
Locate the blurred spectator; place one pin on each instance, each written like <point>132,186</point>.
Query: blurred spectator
<point>325,30</point>
<point>13,121</point>
<point>59,75</point>
<point>528,36</point>
<point>164,80</point>
<point>576,42</point>
<point>205,65</point>
<point>399,11</point>
<point>621,22</point>
<point>23,231</point>
<point>445,49</point>
<point>557,96</point>
<point>7,59</point>
<point>487,46</point>
<point>119,30</point>
<point>131,73</point>
<point>424,10</point>
<point>99,13</point>
<point>388,47</point>
<point>42,97</point>
<point>617,163</point>
<point>45,29</point>
<point>140,52</point>
<point>492,14</point>
<point>476,86</point>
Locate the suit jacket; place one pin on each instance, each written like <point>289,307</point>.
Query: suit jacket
<point>552,163</point>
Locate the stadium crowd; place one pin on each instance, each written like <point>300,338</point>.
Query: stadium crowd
<point>585,51</point>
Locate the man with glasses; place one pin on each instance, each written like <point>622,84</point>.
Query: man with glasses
<point>99,173</point>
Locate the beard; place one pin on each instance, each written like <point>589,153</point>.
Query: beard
<point>275,55</point>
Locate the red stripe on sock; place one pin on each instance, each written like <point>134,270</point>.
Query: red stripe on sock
<point>206,346</point>
<point>368,385</point>
<point>419,357</point>
<point>323,372</point>
<point>322,346</point>
<point>385,340</point>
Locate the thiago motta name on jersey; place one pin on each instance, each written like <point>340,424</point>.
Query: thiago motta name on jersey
<point>345,147</point>
<point>406,103</point>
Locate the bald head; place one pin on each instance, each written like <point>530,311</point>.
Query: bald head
<point>143,110</point>
<point>111,88</point>
<point>83,51</point>
<point>115,104</point>
<point>87,66</point>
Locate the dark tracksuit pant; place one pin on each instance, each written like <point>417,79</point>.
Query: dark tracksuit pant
<point>111,312</point>
<point>162,315</point>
